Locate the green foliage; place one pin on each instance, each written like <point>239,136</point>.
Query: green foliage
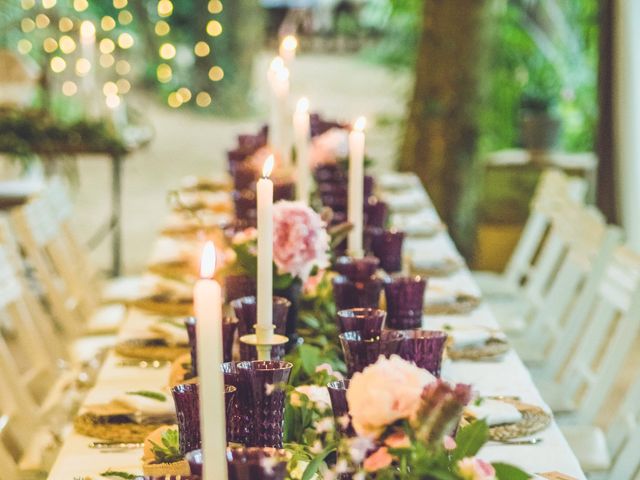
<point>470,439</point>
<point>118,474</point>
<point>509,472</point>
<point>149,394</point>
<point>169,451</point>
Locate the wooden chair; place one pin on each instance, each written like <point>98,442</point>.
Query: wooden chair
<point>508,286</point>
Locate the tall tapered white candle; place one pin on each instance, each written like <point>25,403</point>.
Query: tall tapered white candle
<point>301,129</point>
<point>356,187</point>
<point>279,136</point>
<point>288,48</point>
<point>264,188</point>
<point>207,299</point>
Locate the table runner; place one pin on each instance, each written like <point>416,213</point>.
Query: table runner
<point>507,376</point>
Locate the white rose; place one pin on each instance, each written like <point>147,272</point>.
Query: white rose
<point>387,391</point>
<point>316,394</point>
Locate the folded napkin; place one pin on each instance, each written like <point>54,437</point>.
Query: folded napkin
<point>441,293</point>
<point>424,223</point>
<point>397,180</point>
<point>193,182</point>
<point>171,330</point>
<point>469,337</point>
<point>407,201</point>
<point>426,260</point>
<point>494,412</point>
<point>147,404</point>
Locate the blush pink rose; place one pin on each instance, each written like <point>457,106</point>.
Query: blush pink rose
<point>387,391</point>
<point>300,239</point>
<point>381,458</point>
<point>471,468</point>
<point>330,146</point>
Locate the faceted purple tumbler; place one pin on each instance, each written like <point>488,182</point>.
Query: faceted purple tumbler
<point>236,286</point>
<point>186,399</point>
<point>241,414</point>
<point>368,321</point>
<point>360,350</point>
<point>387,247</point>
<point>357,269</point>
<point>355,294</point>
<point>264,379</point>
<point>340,407</point>
<point>405,300</point>
<point>229,326</point>
<point>245,309</point>
<point>247,463</point>
<point>375,211</point>
<point>424,348</point>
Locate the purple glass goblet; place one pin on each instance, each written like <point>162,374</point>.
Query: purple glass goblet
<point>236,286</point>
<point>424,348</point>
<point>247,463</point>
<point>357,269</point>
<point>243,175</point>
<point>238,154</point>
<point>387,247</point>
<point>229,326</point>
<point>186,399</point>
<point>246,310</point>
<point>353,294</point>
<point>405,300</point>
<point>244,202</point>
<point>241,414</point>
<point>264,379</point>
<point>360,350</point>
<point>375,211</point>
<point>340,407</point>
<point>368,321</point>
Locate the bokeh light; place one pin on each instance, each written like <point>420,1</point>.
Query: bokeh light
<point>125,40</point>
<point>107,23</point>
<point>123,67</point>
<point>50,45</point>
<point>184,93</point>
<point>167,51</point>
<point>106,60</point>
<point>28,4</point>
<point>48,3</point>
<point>110,88</point>
<point>123,85</point>
<point>69,88</point>
<point>120,3</point>
<point>27,25</point>
<point>216,73</point>
<point>24,46</point>
<point>107,45</point>
<point>164,73</point>
<point>165,8</point>
<point>58,64</point>
<point>174,100</point>
<point>42,21</point>
<point>214,28</point>
<point>65,24</point>
<point>203,99</point>
<point>214,6</point>
<point>162,28</point>
<point>80,5</point>
<point>112,100</point>
<point>125,17</point>
<point>83,66</point>
<point>201,49</point>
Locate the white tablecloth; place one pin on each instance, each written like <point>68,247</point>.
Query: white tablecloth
<point>508,376</point>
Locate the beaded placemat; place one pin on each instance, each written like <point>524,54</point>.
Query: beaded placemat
<point>150,349</point>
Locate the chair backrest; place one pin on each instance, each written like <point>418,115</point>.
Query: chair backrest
<point>623,437</point>
<point>10,470</point>
<point>608,331</point>
<point>553,185</point>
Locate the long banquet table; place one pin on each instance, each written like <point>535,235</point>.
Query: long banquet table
<point>507,376</point>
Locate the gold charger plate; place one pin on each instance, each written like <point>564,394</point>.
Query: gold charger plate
<point>492,349</point>
<point>534,419</point>
<point>463,304</point>
<point>113,428</point>
<point>165,305</point>
<point>150,349</point>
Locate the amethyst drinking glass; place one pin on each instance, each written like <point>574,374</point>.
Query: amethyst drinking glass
<point>243,176</point>
<point>360,350</point>
<point>245,309</point>
<point>264,379</point>
<point>368,321</point>
<point>424,348</point>
<point>247,463</point>
<point>375,211</point>
<point>357,269</point>
<point>186,399</point>
<point>229,326</point>
<point>236,286</point>
<point>239,425</point>
<point>340,407</point>
<point>388,248</point>
<point>354,294</point>
<point>405,299</point>
<point>244,202</point>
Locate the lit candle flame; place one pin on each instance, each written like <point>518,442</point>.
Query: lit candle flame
<point>289,42</point>
<point>87,29</point>
<point>277,64</point>
<point>208,260</point>
<point>268,166</point>
<point>359,124</point>
<point>302,105</point>
<point>283,74</point>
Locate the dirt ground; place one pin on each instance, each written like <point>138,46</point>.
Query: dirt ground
<point>187,142</point>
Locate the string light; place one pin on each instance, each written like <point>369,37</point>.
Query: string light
<point>214,28</point>
<point>27,25</point>
<point>125,17</point>
<point>162,28</point>
<point>67,44</point>
<point>107,23</point>
<point>203,99</point>
<point>184,93</point>
<point>27,4</point>
<point>216,73</point>
<point>65,24</point>
<point>107,45</point>
<point>122,67</point>
<point>50,45</point>
<point>80,5</point>
<point>106,60</point>
<point>167,51</point>
<point>125,40</point>
<point>214,6</point>
<point>123,85</point>
<point>112,100</point>
<point>69,88</point>
<point>24,46</point>
<point>174,100</point>
<point>110,88</point>
<point>83,66</point>
<point>120,3</point>
<point>42,21</point>
<point>165,8</point>
<point>58,64</point>
<point>201,49</point>
<point>48,3</point>
<point>164,73</point>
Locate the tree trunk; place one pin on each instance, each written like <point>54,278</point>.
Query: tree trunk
<point>440,136</point>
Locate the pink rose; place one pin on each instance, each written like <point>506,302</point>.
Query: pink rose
<point>387,391</point>
<point>300,239</point>
<point>381,458</point>
<point>330,146</point>
<point>471,468</point>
